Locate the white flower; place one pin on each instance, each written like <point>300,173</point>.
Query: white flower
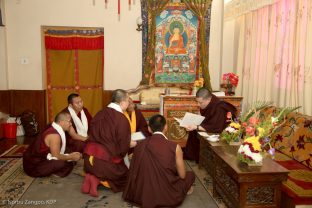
<point>274,119</point>
<point>240,150</point>
<point>230,129</point>
<point>257,157</point>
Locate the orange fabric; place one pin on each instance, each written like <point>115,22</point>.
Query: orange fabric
<point>105,184</point>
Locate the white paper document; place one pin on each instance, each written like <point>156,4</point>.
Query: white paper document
<point>136,136</point>
<point>178,120</point>
<point>190,119</point>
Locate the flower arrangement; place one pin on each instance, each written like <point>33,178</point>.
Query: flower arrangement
<point>233,132</point>
<point>258,129</point>
<point>230,79</point>
<point>198,84</point>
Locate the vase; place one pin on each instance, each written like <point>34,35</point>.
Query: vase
<point>229,89</point>
<point>254,164</point>
<point>235,143</point>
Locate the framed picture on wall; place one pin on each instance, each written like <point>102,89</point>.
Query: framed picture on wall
<point>176,45</point>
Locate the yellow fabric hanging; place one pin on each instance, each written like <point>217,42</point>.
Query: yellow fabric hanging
<point>132,121</point>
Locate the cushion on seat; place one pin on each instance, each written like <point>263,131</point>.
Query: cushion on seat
<point>294,138</point>
<point>299,182</point>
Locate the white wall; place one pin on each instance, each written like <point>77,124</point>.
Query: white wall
<point>123,44</point>
<point>24,18</point>
<point>3,69</point>
<point>215,44</point>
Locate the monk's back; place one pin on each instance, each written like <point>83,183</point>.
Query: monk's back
<point>153,179</point>
<point>105,127</point>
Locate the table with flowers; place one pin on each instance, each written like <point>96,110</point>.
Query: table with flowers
<point>241,185</point>
<point>205,153</point>
<point>246,175</point>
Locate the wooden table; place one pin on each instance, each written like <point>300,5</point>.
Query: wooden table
<point>242,186</point>
<point>206,154</point>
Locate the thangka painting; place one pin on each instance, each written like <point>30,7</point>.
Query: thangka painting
<point>176,45</point>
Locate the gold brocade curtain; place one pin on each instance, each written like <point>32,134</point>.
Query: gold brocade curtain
<point>154,7</point>
<point>74,63</point>
<point>200,8</point>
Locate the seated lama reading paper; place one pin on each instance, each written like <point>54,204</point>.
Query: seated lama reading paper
<point>190,119</point>
<point>136,136</point>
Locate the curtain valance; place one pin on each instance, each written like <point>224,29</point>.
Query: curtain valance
<point>236,8</point>
<point>74,39</point>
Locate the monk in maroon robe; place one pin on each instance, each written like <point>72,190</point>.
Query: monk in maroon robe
<point>109,142</point>
<point>81,118</point>
<point>46,155</point>
<point>215,112</point>
<point>136,119</point>
<point>157,176</point>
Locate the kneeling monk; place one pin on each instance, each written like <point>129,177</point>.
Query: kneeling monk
<point>157,176</point>
<point>46,155</point>
<point>108,144</point>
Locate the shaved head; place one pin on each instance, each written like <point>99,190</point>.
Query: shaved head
<point>62,116</point>
<point>203,93</point>
<point>119,95</point>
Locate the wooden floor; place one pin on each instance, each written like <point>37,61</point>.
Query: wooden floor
<point>6,144</point>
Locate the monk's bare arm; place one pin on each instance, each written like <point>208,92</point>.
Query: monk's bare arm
<point>180,162</point>
<point>76,136</point>
<point>53,141</point>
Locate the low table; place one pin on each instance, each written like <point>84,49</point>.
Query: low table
<point>205,153</point>
<point>242,186</point>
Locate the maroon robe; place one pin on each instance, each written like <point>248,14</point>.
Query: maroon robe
<point>109,143</point>
<point>35,160</point>
<point>215,121</point>
<point>141,124</point>
<point>153,178</point>
<point>73,145</point>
